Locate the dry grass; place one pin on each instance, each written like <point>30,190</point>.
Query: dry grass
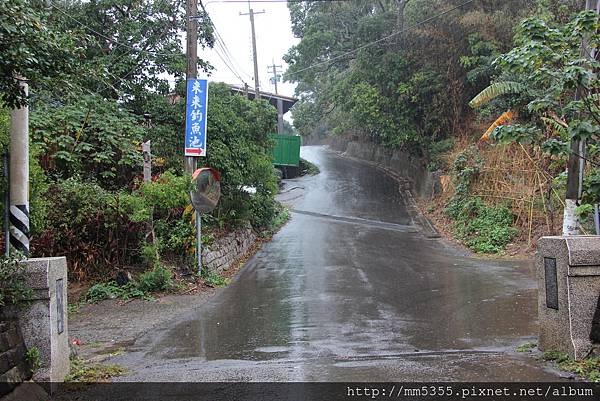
<point>520,176</point>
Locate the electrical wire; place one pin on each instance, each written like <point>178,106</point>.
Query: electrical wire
<point>226,57</point>
<point>230,57</point>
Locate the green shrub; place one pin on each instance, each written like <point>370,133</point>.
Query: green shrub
<point>90,227</point>
<point>177,238</point>
<point>111,290</point>
<point>483,228</point>
<point>491,230</point>
<point>149,253</point>
<point>85,372</point>
<point>33,358</point>
<point>309,168</point>
<point>526,347</point>
<point>12,285</point>
<point>588,368</point>
<point>93,137</point>
<point>156,280</point>
<point>557,356</point>
<point>281,217</point>
<point>102,291</point>
<point>263,209</point>
<point>98,213</point>
<point>214,279</point>
<point>436,151</point>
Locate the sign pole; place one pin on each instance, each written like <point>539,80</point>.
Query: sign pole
<point>204,196</point>
<point>199,241</point>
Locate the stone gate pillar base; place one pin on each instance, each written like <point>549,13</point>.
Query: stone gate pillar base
<point>43,321</point>
<point>568,270</point>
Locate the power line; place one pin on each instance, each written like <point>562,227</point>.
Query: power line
<point>227,58</point>
<point>230,63</point>
<point>378,40</point>
<point>230,56</point>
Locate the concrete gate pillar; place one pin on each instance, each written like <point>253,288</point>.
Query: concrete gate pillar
<point>568,270</point>
<point>43,320</point>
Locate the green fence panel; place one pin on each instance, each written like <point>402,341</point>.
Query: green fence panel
<point>287,150</point>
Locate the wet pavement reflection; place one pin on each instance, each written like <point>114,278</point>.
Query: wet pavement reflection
<point>350,289</point>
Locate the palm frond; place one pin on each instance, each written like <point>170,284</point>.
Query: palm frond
<point>494,90</point>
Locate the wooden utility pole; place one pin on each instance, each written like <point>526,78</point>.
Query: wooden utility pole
<point>251,13</point>
<point>192,60</point>
<point>576,163</point>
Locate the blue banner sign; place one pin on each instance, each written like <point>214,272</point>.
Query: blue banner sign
<point>196,102</point>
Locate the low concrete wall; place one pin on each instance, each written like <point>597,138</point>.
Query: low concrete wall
<point>225,251</point>
<point>424,184</point>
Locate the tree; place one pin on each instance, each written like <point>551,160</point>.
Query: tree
<point>539,79</point>
<point>93,138</point>
<point>132,48</point>
<point>32,49</point>
<point>355,76</point>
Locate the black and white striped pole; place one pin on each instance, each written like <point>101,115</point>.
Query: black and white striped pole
<point>19,178</point>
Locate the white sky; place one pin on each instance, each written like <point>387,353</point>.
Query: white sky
<point>273,38</point>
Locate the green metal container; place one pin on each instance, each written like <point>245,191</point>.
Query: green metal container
<point>287,150</point>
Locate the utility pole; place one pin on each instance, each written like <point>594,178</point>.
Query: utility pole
<point>576,163</point>
<point>19,177</point>
<point>251,13</point>
<point>273,68</point>
<point>192,60</point>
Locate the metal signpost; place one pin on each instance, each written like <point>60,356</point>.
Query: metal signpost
<point>205,194</point>
<point>195,117</point>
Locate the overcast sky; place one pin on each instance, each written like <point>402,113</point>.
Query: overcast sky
<point>273,39</point>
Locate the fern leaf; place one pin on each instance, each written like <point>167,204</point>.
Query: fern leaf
<point>504,119</point>
<point>494,90</point>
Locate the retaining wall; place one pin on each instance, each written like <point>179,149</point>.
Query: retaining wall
<point>424,183</point>
<point>14,368</point>
<point>225,251</point>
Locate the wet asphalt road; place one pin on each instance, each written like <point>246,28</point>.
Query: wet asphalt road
<point>350,290</point>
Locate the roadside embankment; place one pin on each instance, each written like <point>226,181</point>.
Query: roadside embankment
<point>225,251</point>
<point>423,183</point>
<point>482,199</point>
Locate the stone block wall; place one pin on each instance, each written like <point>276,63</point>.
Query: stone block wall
<point>14,368</point>
<point>225,251</point>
